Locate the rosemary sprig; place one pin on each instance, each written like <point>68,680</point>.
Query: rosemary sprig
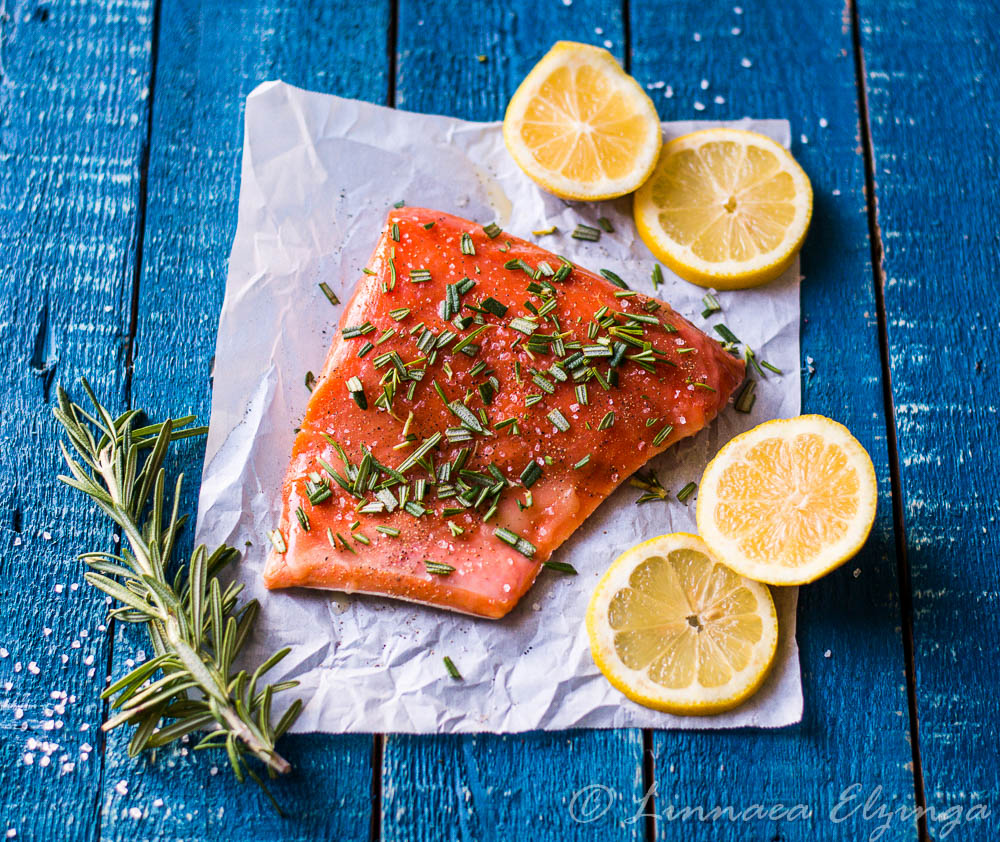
<point>196,626</point>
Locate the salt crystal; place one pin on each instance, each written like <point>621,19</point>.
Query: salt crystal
<point>58,588</point>
<point>28,758</point>
<point>157,802</point>
<point>86,748</point>
<point>737,10</point>
<point>704,84</point>
<point>828,654</point>
<point>669,92</point>
<point>135,812</point>
<point>17,540</point>
<point>33,668</point>
<point>74,586</point>
<point>75,644</point>
<point>68,767</point>
<point>3,652</point>
<point>609,43</point>
<point>746,62</point>
<point>47,536</point>
<point>697,36</point>
<point>823,122</point>
<point>720,100</point>
<point>44,760</point>
<point>46,631</point>
<point>735,30</point>
<point>699,106</point>
<point>18,713</point>
<point>121,787</point>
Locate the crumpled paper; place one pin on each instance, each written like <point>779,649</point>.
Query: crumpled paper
<point>319,174</point>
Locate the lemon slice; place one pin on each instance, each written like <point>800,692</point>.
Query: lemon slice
<point>725,208</point>
<point>675,630</point>
<point>788,501</point>
<point>580,126</point>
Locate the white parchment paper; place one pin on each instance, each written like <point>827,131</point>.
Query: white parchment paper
<point>319,174</point>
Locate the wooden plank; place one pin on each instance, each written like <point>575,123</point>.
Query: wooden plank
<point>488,786</point>
<point>796,61</point>
<point>933,95</point>
<point>211,55</point>
<point>73,107</point>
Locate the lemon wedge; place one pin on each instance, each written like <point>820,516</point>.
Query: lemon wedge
<point>676,630</point>
<point>580,126</point>
<point>788,501</point>
<point>725,208</point>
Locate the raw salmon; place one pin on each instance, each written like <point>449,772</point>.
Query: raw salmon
<point>480,400</point>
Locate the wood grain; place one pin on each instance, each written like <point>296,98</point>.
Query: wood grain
<point>932,91</point>
<point>796,61</point>
<point>211,55</point>
<point>70,161</point>
<point>487,786</point>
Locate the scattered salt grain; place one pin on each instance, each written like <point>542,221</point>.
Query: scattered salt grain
<point>699,106</point>
<point>608,43</point>
<point>58,588</point>
<point>121,787</point>
<point>33,668</point>
<point>735,30</point>
<point>704,84</point>
<point>745,62</point>
<point>697,36</point>
<point>828,654</point>
<point>669,92</point>
<point>47,536</point>
<point>135,812</point>
<point>720,100</point>
<point>737,10</point>
<point>823,122</point>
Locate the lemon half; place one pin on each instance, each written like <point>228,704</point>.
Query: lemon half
<point>676,630</point>
<point>788,501</point>
<point>725,208</point>
<point>580,126</point>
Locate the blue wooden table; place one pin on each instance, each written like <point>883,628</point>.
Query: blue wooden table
<point>120,141</point>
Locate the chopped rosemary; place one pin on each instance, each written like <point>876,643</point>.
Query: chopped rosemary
<point>357,390</point>
<point>685,493</point>
<point>661,436</point>
<point>605,223</point>
<point>353,331</point>
<point>657,276</point>
<point>420,276</point>
<point>438,568</point>
<point>560,567</point>
<point>394,232</point>
<point>615,279</point>
<point>329,293</point>
<point>726,334</point>
<point>400,313</point>
<point>607,421</point>
<point>711,305</point>
<point>278,540</point>
<point>582,462</point>
<point>531,474</point>
<point>449,665</point>
<point>310,380</point>
<point>770,367</point>
<point>491,305</point>
<point>558,420</point>
<point>492,230</point>
<point>391,531</point>
<point>521,325</point>
<point>522,545</point>
<point>466,245</point>
<point>747,397</point>
<point>586,232</point>
<point>401,203</point>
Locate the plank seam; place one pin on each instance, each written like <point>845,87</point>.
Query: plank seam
<point>391,46</point>
<point>378,740</point>
<point>898,518</point>
<point>133,326</point>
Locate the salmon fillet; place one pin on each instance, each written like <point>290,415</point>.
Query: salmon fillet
<point>481,398</point>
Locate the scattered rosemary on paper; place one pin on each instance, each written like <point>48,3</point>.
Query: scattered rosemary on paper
<point>195,624</point>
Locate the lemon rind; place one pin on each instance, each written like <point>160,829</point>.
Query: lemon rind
<point>834,555</point>
<point>695,700</point>
<point>740,275</point>
<point>569,52</point>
